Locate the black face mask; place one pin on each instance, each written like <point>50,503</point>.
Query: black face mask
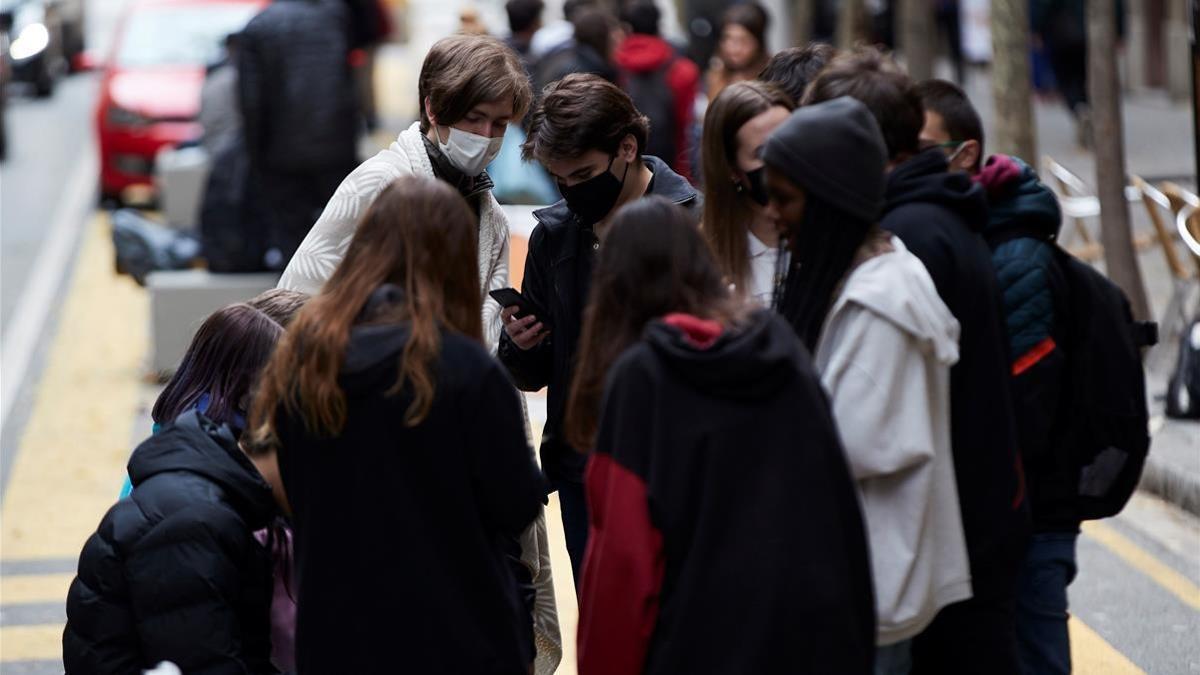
<point>758,190</point>
<point>592,199</point>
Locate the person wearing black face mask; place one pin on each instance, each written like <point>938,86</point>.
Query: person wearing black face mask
<point>590,137</point>
<point>744,238</point>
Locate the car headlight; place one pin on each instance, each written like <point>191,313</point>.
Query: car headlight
<point>30,42</point>
<point>120,117</point>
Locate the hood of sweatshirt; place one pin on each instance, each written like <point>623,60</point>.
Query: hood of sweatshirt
<point>924,179</point>
<point>897,287</point>
<point>195,444</point>
<point>749,362</point>
<point>643,53</point>
<point>1018,201</point>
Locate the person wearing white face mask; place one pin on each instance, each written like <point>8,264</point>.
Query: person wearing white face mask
<point>471,87</point>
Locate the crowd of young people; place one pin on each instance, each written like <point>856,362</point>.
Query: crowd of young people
<point>784,422</point>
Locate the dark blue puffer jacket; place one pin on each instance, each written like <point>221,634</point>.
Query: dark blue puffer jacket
<point>1024,218</point>
<point>1023,225</point>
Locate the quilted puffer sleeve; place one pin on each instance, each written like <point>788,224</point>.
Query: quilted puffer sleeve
<point>99,636</point>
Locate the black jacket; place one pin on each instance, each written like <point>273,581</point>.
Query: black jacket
<point>174,572</point>
<point>727,535</point>
<point>298,103</point>
<point>558,273</point>
<point>402,533</point>
<point>939,216</point>
<point>1023,224</point>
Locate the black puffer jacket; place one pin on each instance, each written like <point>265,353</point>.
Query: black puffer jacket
<point>174,573</point>
<point>298,104</point>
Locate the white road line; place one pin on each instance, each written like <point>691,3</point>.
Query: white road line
<point>25,325</point>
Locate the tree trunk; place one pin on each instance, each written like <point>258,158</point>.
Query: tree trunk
<point>916,36</point>
<point>1011,88</point>
<point>1105,93</point>
<point>803,15</point>
<point>851,25</point>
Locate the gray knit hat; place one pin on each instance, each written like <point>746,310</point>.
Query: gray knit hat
<point>835,151</point>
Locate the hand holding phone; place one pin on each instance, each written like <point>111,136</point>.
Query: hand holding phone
<point>521,318</point>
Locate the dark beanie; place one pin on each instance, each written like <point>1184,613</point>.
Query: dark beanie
<point>835,151</point>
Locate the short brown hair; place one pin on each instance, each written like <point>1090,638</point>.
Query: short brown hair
<point>280,304</point>
<point>793,69</point>
<point>462,71</point>
<point>873,78</point>
<point>582,112</point>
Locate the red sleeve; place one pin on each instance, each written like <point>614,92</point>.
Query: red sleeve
<point>684,80</point>
<point>622,572</point>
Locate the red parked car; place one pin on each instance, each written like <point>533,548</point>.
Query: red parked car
<point>150,91</point>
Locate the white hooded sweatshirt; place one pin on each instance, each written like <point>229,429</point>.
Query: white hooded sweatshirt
<point>884,357</point>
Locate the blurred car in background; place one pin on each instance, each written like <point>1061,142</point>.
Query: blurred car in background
<point>150,91</point>
<point>43,38</point>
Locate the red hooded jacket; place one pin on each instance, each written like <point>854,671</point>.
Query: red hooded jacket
<point>640,53</point>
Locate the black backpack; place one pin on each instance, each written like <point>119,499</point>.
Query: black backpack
<point>1106,419</point>
<point>652,96</point>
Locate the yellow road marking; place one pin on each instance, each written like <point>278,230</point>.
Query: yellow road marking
<point>1092,655</point>
<point>70,460</point>
<point>1173,582</point>
<point>31,643</point>
<point>18,588</point>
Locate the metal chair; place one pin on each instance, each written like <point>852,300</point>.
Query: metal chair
<point>1174,319</point>
<point>1080,204</point>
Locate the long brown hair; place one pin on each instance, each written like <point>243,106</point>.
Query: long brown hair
<point>654,262</point>
<point>419,235</point>
<point>728,211</point>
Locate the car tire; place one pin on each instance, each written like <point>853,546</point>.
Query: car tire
<point>43,84</point>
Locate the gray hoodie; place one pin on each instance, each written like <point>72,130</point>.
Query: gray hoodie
<point>884,357</point>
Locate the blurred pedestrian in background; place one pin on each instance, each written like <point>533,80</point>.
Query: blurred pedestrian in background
<point>883,342</point>
<point>592,140</point>
<point>939,216</point>
<point>174,572</point>
<point>713,449</point>
<point>469,22</point>
<point>384,383</point>
<point>662,83</point>
<point>300,114</point>
<point>590,50</point>
<point>370,25</point>
<point>793,69</point>
<point>524,21</point>
<point>743,235</point>
<point>220,117</point>
<point>742,48</point>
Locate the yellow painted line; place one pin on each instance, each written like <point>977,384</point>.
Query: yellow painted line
<point>1092,655</point>
<point>1173,582</point>
<point>70,460</point>
<point>18,588</point>
<point>31,643</point>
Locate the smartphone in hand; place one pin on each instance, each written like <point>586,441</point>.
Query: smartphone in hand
<point>509,297</point>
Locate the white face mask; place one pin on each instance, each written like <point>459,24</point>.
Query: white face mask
<point>471,153</point>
